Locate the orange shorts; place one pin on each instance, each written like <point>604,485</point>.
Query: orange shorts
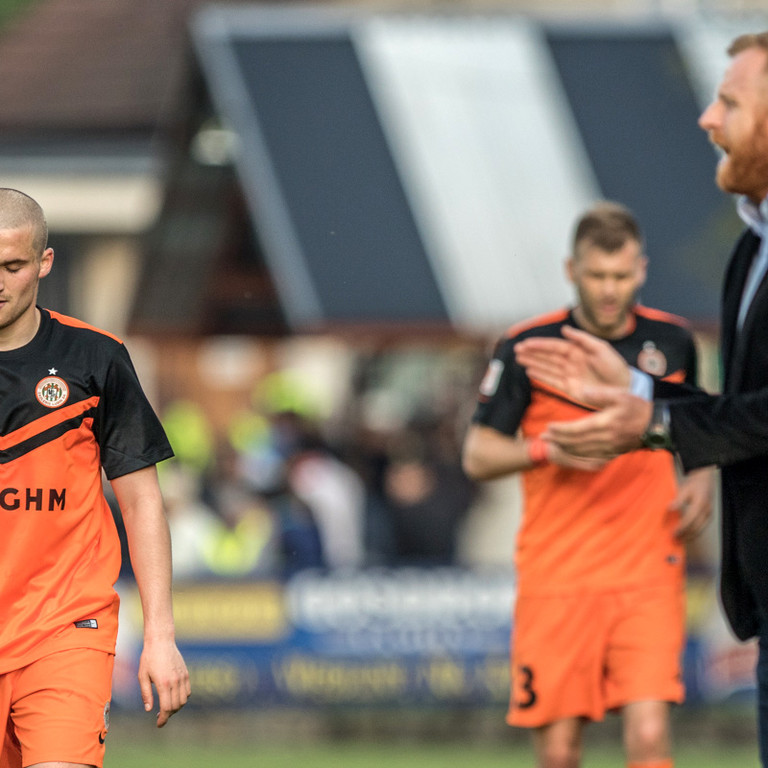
<point>57,709</point>
<point>583,655</point>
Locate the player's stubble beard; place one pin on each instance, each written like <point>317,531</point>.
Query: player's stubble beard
<point>606,330</point>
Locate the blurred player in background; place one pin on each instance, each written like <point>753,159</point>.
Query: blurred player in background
<point>599,622</point>
<point>730,430</point>
<point>70,406</point>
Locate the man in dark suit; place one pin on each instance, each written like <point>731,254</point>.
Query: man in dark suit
<point>731,429</point>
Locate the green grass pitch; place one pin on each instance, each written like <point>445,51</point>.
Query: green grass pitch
<point>240,740</point>
<point>382,755</point>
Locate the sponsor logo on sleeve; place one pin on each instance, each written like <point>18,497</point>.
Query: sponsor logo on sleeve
<point>490,382</point>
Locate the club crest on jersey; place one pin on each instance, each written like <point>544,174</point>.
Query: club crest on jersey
<point>652,360</point>
<point>52,392</point>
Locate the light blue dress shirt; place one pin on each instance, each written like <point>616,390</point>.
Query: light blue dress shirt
<point>756,218</point>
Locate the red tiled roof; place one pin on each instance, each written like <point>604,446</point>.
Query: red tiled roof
<point>92,65</point>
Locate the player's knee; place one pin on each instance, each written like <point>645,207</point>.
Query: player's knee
<point>558,745</point>
<point>559,755</point>
<point>648,741</point>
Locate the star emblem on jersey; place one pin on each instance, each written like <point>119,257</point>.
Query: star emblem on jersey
<point>52,391</point>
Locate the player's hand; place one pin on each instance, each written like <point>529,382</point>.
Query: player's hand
<point>694,503</point>
<point>571,363</point>
<point>616,428</point>
<point>162,665</point>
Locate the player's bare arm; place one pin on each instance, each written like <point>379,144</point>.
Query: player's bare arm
<point>489,454</point>
<point>694,502</point>
<point>161,663</point>
<point>569,364</point>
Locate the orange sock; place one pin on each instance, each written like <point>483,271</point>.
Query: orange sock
<point>659,764</point>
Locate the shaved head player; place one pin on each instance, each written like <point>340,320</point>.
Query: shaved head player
<point>71,406</point>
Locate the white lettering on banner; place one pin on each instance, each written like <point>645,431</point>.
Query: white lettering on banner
<point>401,599</point>
<point>407,641</point>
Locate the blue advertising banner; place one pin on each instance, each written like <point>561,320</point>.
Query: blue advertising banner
<point>383,637</point>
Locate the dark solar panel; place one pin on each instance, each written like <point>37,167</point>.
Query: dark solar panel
<point>350,216</point>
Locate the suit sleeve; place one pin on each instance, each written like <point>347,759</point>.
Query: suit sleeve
<point>716,429</point>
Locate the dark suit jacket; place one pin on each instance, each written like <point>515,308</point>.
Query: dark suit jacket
<point>731,430</point>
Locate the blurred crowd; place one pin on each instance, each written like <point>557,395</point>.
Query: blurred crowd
<point>285,489</point>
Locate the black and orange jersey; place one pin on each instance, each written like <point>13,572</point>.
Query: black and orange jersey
<point>597,530</point>
<point>71,404</point>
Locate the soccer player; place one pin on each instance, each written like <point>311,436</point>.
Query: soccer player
<point>70,406</point>
<point>599,620</point>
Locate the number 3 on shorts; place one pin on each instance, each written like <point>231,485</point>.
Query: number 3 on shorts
<point>526,695</point>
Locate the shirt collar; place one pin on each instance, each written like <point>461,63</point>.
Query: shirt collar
<point>754,216</point>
